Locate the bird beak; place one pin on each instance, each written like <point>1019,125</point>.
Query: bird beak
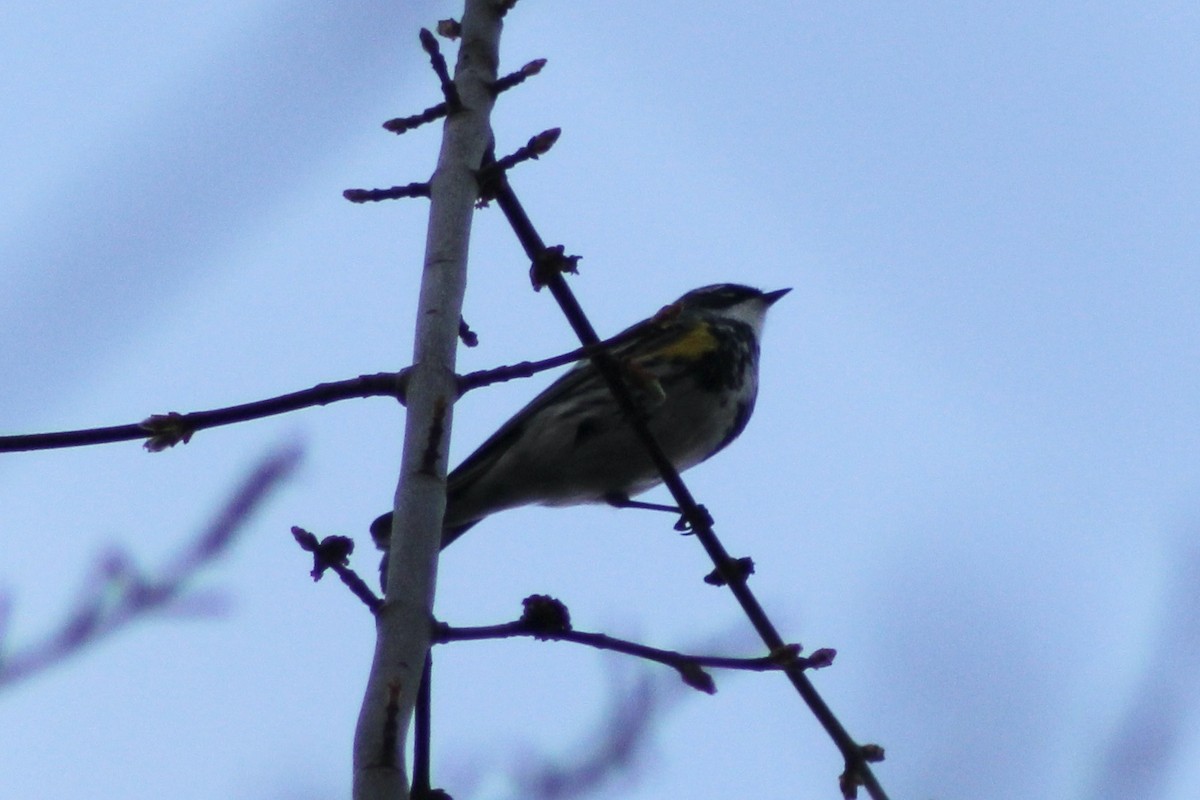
<point>771,297</point>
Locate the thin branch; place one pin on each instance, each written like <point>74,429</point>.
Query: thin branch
<point>520,76</point>
<point>438,62</point>
<point>417,189</point>
<point>690,666</point>
<point>526,369</point>
<point>118,594</point>
<point>162,431</point>
<point>538,145</point>
<point>405,124</point>
<point>333,553</point>
<point>465,335</point>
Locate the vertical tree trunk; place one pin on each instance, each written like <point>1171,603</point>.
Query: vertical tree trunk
<point>403,625</point>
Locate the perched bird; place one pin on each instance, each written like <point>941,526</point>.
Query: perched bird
<point>692,369</point>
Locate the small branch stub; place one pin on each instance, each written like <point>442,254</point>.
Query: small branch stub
<point>416,189</point>
<point>872,753</point>
<point>327,553</point>
<point>857,772</point>
<point>405,124</point>
<point>737,569</point>
<point>333,553</point>
<point>695,676</point>
<point>821,658</point>
<point>465,335</point>
<point>438,62</point>
<point>520,76</point>
<point>551,262</point>
<point>491,174</point>
<point>537,145</point>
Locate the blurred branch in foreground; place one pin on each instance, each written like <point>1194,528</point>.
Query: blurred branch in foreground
<point>615,749</point>
<point>117,593</point>
<point>1139,758</point>
<point>608,758</point>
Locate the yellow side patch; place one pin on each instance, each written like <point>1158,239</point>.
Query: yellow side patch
<point>695,343</point>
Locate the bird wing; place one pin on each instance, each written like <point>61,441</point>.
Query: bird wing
<point>659,337</point>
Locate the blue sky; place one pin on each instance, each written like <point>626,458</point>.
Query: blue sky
<point>973,469</point>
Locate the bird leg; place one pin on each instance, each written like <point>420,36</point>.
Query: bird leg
<point>622,500</point>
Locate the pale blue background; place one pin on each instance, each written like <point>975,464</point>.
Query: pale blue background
<point>974,467</point>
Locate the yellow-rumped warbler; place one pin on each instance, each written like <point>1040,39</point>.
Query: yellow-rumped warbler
<point>693,370</point>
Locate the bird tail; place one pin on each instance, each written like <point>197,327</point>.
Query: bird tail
<point>450,534</point>
<point>381,531</point>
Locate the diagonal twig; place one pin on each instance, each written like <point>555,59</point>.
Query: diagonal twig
<point>438,62</point>
<point>857,757</point>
